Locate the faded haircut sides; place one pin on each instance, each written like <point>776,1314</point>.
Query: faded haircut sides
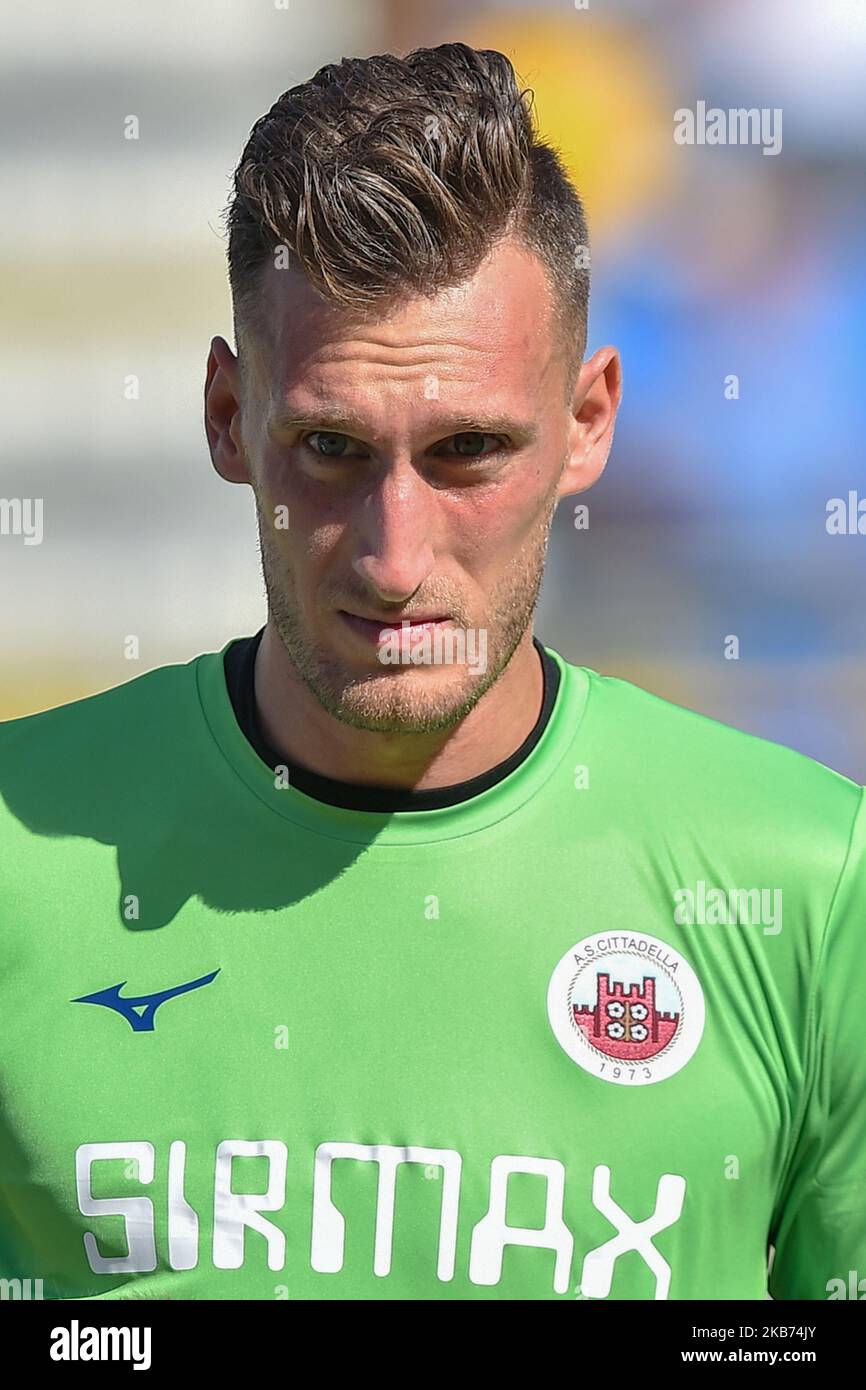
<point>384,177</point>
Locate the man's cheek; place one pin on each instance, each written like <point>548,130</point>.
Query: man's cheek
<point>278,477</point>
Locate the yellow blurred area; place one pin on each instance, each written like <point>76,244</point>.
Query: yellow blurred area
<point>601,99</point>
<point>33,690</point>
<point>153,299</point>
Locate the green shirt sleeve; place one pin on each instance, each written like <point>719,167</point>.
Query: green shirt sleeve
<point>820,1230</point>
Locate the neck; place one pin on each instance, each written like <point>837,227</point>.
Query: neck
<point>305,733</point>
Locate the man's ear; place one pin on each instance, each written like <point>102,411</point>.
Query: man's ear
<point>597,394</point>
<point>222,413</point>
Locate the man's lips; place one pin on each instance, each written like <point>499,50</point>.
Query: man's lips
<point>381,629</point>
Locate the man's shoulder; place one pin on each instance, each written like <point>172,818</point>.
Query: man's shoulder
<point>139,703</point>
<point>113,748</point>
<point>669,752</point>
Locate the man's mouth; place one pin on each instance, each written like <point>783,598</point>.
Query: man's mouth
<point>379,630</point>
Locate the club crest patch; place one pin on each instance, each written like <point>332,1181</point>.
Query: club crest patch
<point>626,1007</point>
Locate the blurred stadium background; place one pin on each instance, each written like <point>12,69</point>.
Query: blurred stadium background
<point>710,519</point>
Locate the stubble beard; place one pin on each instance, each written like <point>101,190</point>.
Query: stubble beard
<point>402,699</point>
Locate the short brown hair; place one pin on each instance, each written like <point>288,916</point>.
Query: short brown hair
<point>389,175</point>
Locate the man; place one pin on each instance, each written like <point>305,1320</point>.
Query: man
<point>386,954</point>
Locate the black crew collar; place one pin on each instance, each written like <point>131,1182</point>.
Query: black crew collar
<point>240,663</point>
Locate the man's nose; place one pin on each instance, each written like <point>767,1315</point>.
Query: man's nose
<point>394,552</point>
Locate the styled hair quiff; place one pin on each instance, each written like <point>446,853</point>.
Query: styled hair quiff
<point>387,176</point>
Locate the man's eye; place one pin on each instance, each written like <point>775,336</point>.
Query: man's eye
<point>471,445</point>
<point>328,444</point>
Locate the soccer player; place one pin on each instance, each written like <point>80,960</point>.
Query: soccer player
<point>385,953</point>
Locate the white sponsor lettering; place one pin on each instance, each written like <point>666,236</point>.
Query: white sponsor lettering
<point>237,1212</point>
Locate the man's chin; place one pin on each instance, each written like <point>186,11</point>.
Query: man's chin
<point>416,700</point>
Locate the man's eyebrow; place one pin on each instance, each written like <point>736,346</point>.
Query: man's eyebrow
<point>333,419</point>
<point>523,430</point>
<point>330,418</point>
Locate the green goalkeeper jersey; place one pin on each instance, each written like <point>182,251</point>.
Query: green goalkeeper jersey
<point>594,1032</point>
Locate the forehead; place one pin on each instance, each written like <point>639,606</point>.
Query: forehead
<point>495,331</point>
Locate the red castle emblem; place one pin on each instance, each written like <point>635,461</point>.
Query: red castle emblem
<point>625,1023</point>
